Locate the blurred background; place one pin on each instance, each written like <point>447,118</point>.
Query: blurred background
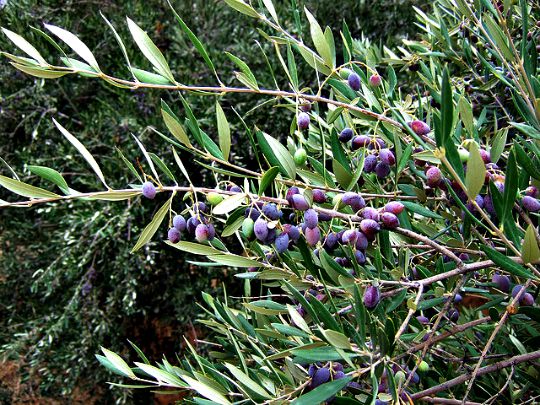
<point>68,283</point>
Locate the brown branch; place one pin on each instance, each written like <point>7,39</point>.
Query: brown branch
<point>484,370</point>
<point>446,401</point>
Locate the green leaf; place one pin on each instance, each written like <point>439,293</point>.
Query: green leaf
<point>234,260</point>
<point>324,315</point>
<point>337,339</point>
<point>497,145</point>
<point>224,132</point>
<point>343,176</point>
<point>246,381</point>
<point>114,195</point>
<point>51,175</point>
<point>25,46</point>
<point>447,111</point>
<point>148,77</point>
<point>153,226</point>
<point>289,330</point>
<point>75,44</point>
<point>268,178</point>
<point>510,186</point>
<point>243,7</point>
<point>420,210</point>
<point>530,252</point>
<point>195,248</point>
<point>161,164</point>
<point>161,375</point>
<point>228,204</point>
<point>26,190</point>
<point>118,363</point>
<point>322,392</point>
<point>194,40</point>
<point>277,154</point>
<point>466,114</point>
<point>498,36</point>
<point>173,124</point>
<point>147,157</point>
<point>83,151</point>
<point>506,263</point>
<point>531,167</point>
<point>39,72</point>
<point>129,165</point>
<point>150,50</point>
<point>247,74</point>
<point>476,172</point>
<point>319,40</point>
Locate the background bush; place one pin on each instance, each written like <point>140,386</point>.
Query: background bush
<point>67,281</point>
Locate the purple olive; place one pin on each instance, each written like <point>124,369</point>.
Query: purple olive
<point>319,196</point>
<point>346,135</point>
<point>369,227</point>
<point>434,176</point>
<point>201,233</point>
<point>382,169</point>
<point>389,220</point>
<point>354,81</point>
<point>361,241</point>
<point>370,213</point>
<point>282,243</point>
<point>271,211</point>
<point>395,207</point>
<point>179,222</point>
<point>360,258</point>
<point>311,218</point>
<point>420,127</point>
<point>312,236</point>
<point>372,297</point>
<point>303,120</point>
<point>299,202</point>
<point>349,237</point>
<point>527,300</point>
<point>387,156</point>
<point>261,229</point>
<point>149,190</point>
<point>531,204</point>
<point>173,235</point>
<point>370,162</point>
<point>360,141</point>
<point>502,282</point>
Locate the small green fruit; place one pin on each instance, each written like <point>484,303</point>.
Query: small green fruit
<point>247,228</point>
<point>423,367</point>
<point>214,198</point>
<point>400,377</point>
<point>463,155</point>
<point>300,157</point>
<point>344,73</point>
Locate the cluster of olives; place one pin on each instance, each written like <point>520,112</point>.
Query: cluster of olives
<point>198,225</point>
<point>502,283</point>
<point>378,159</point>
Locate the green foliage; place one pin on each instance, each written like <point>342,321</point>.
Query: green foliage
<point>351,318</point>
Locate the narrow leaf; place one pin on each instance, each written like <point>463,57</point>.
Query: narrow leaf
<point>153,226</point>
<point>224,132</point>
<point>25,46</point>
<point>228,204</point>
<point>75,44</point>
<point>118,363</point>
<point>26,190</point>
<point>150,50</point>
<point>530,252</point>
<point>51,175</point>
<point>476,172</point>
<point>83,151</point>
<point>322,392</point>
<point>318,38</point>
<point>507,264</point>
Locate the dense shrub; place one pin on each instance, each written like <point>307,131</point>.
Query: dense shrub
<point>391,246</point>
